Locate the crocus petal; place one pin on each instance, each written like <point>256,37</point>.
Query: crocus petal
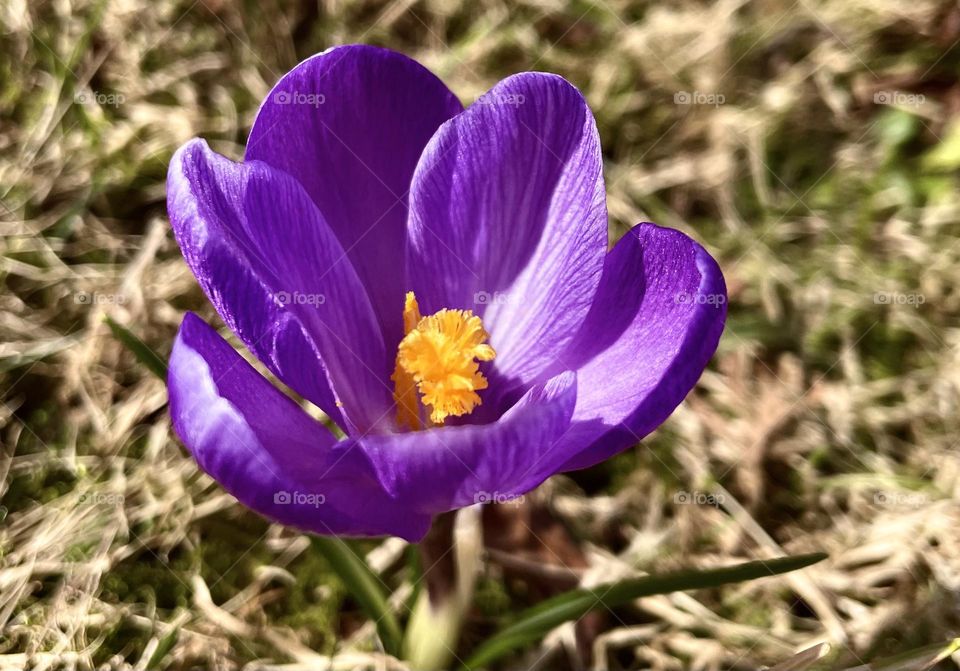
<point>244,300</point>
<point>656,322</point>
<point>268,452</point>
<point>349,124</point>
<point>507,217</point>
<point>450,467</point>
<point>269,263</point>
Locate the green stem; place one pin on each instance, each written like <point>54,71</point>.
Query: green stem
<point>449,571</point>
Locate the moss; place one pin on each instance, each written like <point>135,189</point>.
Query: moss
<point>147,577</point>
<point>312,603</point>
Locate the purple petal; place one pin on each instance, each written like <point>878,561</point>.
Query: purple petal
<point>450,467</point>
<point>507,217</point>
<point>656,322</point>
<point>349,124</point>
<point>267,452</point>
<point>270,264</point>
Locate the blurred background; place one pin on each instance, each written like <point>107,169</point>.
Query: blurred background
<point>812,146</point>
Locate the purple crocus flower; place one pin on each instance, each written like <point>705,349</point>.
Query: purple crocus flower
<point>437,281</point>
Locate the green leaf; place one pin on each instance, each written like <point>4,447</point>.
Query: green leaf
<point>534,623</point>
<point>919,659</point>
<point>153,361</point>
<point>364,586</point>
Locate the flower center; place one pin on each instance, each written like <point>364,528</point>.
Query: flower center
<point>438,357</point>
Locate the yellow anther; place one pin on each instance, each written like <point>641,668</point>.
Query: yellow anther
<point>438,357</point>
<point>404,386</point>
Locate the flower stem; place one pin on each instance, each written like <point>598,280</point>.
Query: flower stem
<point>438,559</point>
<point>450,557</point>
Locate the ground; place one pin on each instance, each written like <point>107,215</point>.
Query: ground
<point>812,146</point>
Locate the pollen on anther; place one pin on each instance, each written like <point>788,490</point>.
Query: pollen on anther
<point>440,356</point>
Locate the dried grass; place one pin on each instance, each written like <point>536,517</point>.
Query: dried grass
<point>827,421</point>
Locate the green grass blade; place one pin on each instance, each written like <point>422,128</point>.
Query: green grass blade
<point>535,622</point>
<point>164,646</point>
<point>153,361</point>
<point>364,586</point>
